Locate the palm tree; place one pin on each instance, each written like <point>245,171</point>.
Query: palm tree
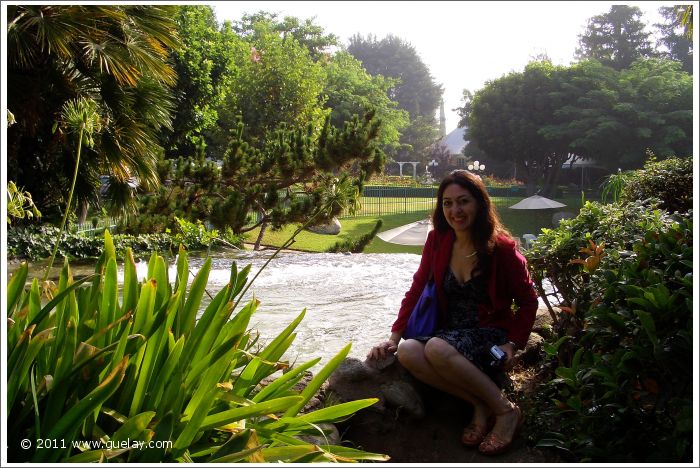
<point>115,55</point>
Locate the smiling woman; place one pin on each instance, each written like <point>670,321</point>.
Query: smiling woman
<point>478,274</point>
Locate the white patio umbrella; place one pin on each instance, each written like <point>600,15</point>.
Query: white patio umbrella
<point>408,234</point>
<point>536,202</point>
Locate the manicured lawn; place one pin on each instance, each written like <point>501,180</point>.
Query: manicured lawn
<point>519,222</point>
<point>352,228</point>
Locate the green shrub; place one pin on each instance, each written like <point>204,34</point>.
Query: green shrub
<point>35,242</point>
<point>630,378</point>
<point>616,226</point>
<point>85,365</point>
<point>670,181</point>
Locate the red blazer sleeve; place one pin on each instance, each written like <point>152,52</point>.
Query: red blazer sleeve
<point>510,283</point>
<point>525,299</point>
<point>420,279</point>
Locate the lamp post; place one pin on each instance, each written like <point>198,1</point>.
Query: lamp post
<point>474,166</point>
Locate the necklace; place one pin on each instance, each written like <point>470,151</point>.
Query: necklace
<point>470,255</point>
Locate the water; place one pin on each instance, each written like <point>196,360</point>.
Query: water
<point>348,298</point>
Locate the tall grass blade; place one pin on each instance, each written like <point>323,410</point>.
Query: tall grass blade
<point>69,424</point>
<point>318,380</point>
<point>15,287</point>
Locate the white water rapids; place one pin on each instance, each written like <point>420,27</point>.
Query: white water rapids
<point>348,298</point>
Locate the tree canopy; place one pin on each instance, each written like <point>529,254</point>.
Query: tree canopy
<point>676,44</point>
<point>540,117</point>
<point>616,38</point>
<point>115,55</point>
<point>415,90</point>
<point>350,90</point>
<point>205,72</point>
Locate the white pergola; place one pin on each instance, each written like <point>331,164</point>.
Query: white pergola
<point>401,163</point>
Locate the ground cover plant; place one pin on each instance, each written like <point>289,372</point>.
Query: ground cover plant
<point>84,365</point>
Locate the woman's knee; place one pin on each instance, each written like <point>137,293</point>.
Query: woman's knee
<point>409,353</point>
<point>438,351</point>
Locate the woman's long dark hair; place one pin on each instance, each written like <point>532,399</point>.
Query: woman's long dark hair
<point>487,225</point>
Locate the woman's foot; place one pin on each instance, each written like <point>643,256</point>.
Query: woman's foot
<point>505,430</point>
<point>473,435</point>
<point>475,432</point>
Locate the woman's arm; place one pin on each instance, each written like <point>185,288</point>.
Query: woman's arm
<point>524,296</point>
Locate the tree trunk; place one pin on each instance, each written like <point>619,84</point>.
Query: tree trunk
<point>83,212</point>
<point>263,227</point>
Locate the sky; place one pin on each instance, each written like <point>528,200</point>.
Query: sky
<point>464,44</point>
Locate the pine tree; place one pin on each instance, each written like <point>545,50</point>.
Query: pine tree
<point>615,38</point>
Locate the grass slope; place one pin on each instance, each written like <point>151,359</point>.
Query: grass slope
<point>518,222</point>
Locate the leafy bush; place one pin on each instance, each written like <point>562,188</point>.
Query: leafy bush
<point>194,235</point>
<point>84,365</point>
<point>630,378</point>
<point>620,358</point>
<point>35,242</point>
<point>670,181</point>
<point>618,227</point>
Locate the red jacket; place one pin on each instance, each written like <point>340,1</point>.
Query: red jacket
<point>508,282</point>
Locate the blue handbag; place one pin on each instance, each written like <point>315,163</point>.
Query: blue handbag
<point>424,316</point>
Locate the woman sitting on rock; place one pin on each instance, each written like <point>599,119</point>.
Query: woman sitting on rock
<point>479,274</point>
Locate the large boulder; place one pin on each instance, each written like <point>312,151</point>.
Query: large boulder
<point>412,422</point>
<point>332,227</point>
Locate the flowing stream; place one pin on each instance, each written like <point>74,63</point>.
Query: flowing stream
<point>348,297</point>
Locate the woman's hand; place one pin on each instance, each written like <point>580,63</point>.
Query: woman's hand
<point>509,349</point>
<point>382,350</point>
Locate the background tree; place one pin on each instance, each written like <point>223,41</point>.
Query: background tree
<point>504,168</point>
<point>616,117</point>
<point>440,154</point>
<point>676,43</point>
<point>505,118</point>
<point>416,92</point>
<point>285,149</point>
<point>350,90</point>
<point>115,55</point>
<point>309,35</point>
<point>662,95</point>
<point>205,73</point>
<point>544,115</point>
<point>278,84</point>
<point>615,38</point>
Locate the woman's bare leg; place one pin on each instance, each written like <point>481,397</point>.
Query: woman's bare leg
<point>411,355</point>
<point>452,367</point>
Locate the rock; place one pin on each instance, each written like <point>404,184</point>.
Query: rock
<point>352,370</point>
<point>330,436</point>
<point>332,227</point>
<point>542,319</point>
<point>380,364</point>
<point>531,353</point>
<point>403,396</point>
<point>413,422</point>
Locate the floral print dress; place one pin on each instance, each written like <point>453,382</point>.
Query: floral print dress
<point>462,330</point>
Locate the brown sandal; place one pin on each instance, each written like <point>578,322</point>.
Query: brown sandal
<point>473,435</point>
<point>493,444</point>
